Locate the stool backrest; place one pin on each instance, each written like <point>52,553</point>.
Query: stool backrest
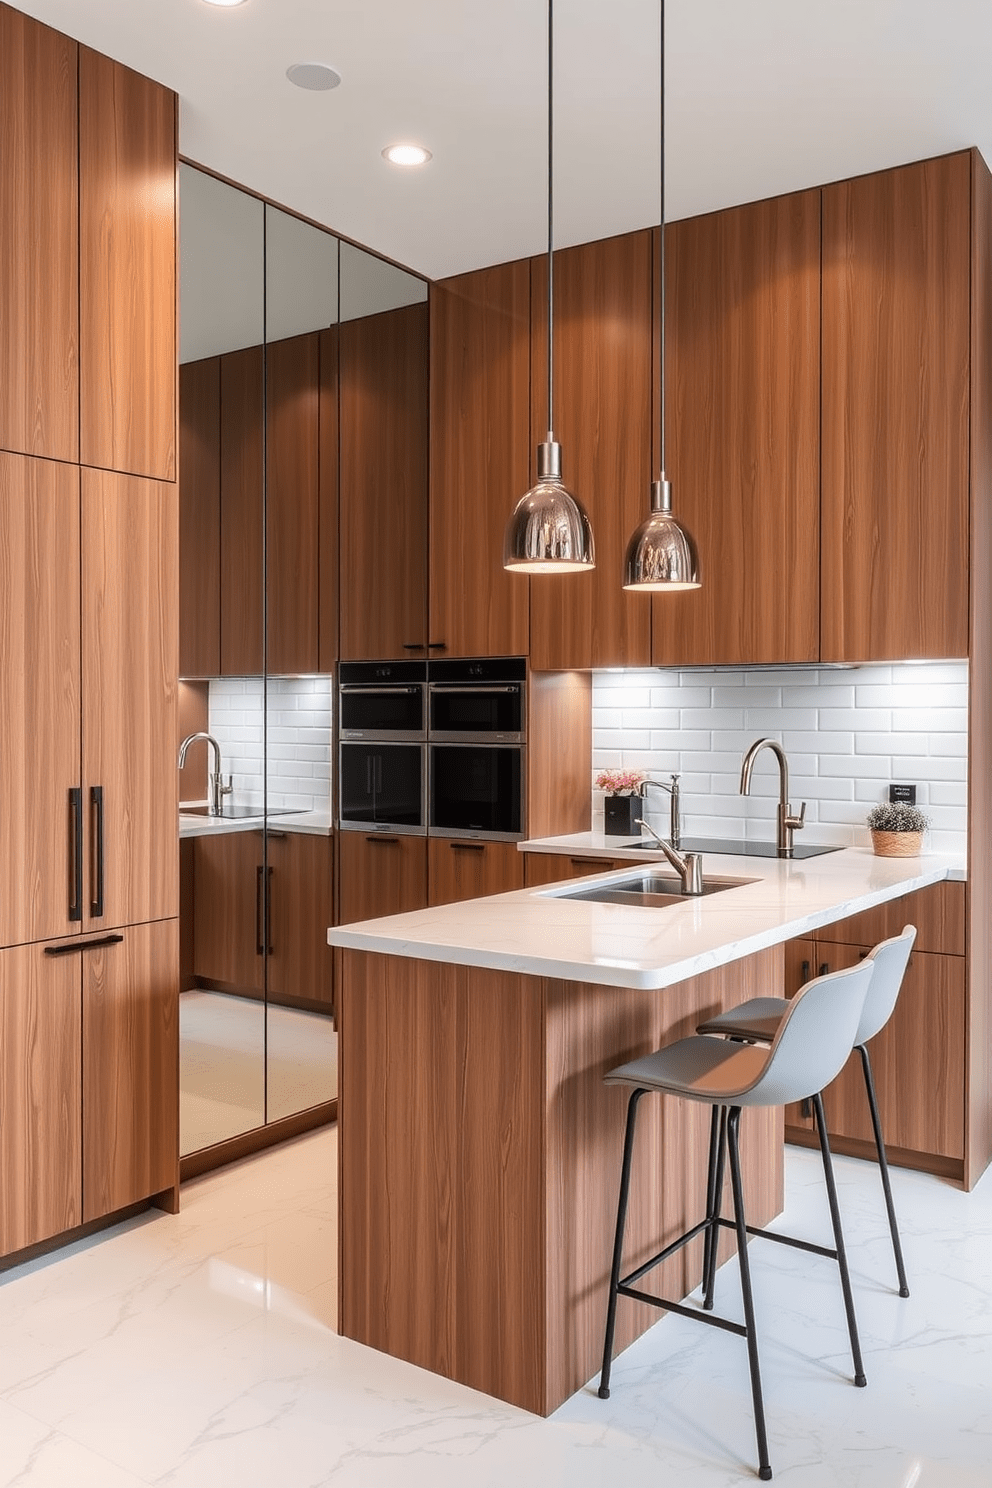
<point>891,957</point>
<point>815,1037</point>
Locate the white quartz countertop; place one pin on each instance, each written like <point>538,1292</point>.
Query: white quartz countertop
<point>316,823</point>
<point>538,931</point>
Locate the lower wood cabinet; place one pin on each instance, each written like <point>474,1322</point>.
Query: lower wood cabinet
<point>545,868</point>
<point>380,874</point>
<point>299,907</point>
<point>463,869</point>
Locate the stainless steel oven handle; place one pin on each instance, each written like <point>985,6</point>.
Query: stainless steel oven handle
<point>353,690</point>
<point>471,688</point>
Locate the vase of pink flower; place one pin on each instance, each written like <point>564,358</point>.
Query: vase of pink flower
<point>622,803</point>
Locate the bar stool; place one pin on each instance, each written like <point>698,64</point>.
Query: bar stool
<point>757,1022</point>
<point>810,1047</point>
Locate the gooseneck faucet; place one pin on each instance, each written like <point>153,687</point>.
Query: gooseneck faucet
<point>675,830</point>
<point>688,866</point>
<point>218,789</point>
<point>787,823</point>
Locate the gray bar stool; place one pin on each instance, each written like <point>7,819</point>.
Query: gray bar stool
<point>757,1021</point>
<point>810,1047</point>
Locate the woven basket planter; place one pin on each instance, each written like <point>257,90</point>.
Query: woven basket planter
<point>897,844</point>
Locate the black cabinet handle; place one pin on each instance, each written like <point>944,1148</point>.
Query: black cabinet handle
<point>437,645</point>
<point>824,968</point>
<point>414,646</point>
<point>76,853</point>
<point>382,839</point>
<point>268,912</point>
<point>467,846</point>
<point>259,947</point>
<point>76,947</point>
<point>96,808</point>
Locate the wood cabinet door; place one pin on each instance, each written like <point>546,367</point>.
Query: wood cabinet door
<point>327,487</point>
<point>40,1098</point>
<point>228,909</point>
<point>480,458</point>
<point>602,412</point>
<point>131,1068</point>
<point>896,327</point>
<point>127,269</point>
<point>470,870</point>
<point>743,395</point>
<point>291,504</point>
<point>39,228</point>
<point>242,511</point>
<point>380,875</point>
<point>130,654</point>
<point>199,518</point>
<point>544,868</point>
<point>299,908</point>
<point>382,369</point>
<point>39,699</point>
<point>938,912</point>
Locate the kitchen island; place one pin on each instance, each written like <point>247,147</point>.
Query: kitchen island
<point>478,1146</point>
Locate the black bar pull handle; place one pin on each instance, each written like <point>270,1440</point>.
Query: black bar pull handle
<point>382,839</point>
<point>259,945</point>
<point>467,846</point>
<point>96,808</point>
<point>414,646</point>
<point>824,968</point>
<point>76,947</point>
<point>75,853</point>
<point>268,912</point>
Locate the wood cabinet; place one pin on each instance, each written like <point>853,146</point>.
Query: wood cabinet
<point>380,874</point>
<point>384,477</point>
<point>199,518</point>
<point>743,426</point>
<point>227,909</point>
<point>127,269</point>
<point>291,504</point>
<point>299,907</point>
<point>544,868</point>
<point>461,869</point>
<point>39,242</point>
<point>896,384</point>
<point>242,508</point>
<point>480,458</point>
<point>327,618</point>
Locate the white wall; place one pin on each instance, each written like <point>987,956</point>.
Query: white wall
<point>299,738</point>
<point>847,732</point>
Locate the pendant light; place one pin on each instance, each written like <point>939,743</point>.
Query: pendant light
<point>548,531</point>
<point>661,555</point>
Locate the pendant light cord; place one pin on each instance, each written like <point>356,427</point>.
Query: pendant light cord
<point>551,266</point>
<point>661,255</point>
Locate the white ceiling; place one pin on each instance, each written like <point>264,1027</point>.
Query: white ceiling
<point>764,96</point>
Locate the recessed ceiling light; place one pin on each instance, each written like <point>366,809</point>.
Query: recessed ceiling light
<point>225,2</point>
<point>406,155</point>
<point>315,76</point>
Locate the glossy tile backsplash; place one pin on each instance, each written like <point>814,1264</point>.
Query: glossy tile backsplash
<point>847,732</point>
<point>299,737</point>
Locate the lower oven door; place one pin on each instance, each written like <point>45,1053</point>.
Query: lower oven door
<point>477,790</point>
<point>382,785</point>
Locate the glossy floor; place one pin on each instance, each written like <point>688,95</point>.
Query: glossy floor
<point>199,1352</point>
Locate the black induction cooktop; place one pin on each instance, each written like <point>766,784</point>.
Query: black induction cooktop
<point>737,848</point>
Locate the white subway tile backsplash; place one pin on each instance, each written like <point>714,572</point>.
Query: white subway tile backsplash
<point>296,749</point>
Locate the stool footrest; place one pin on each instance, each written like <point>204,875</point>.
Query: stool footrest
<point>810,1245</point>
<point>669,1250</point>
<point>690,1312</point>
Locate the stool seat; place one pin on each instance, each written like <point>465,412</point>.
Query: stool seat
<point>757,1019</point>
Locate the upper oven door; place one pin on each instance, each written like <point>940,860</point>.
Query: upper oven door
<point>372,710</point>
<point>490,711</point>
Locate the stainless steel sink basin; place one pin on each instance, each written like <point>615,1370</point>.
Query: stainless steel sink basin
<point>652,890</point>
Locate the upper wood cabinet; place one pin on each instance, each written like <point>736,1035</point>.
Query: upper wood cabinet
<point>127,269</point>
<point>743,432</point>
<point>39,240</point>
<point>242,505</point>
<point>480,458</point>
<point>602,327</point>
<point>384,473</point>
<point>327,495</point>
<point>896,386</point>
<point>199,518</point>
<point>291,503</point>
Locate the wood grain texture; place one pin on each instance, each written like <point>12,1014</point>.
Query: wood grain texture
<point>187,914</point>
<point>242,513</point>
<point>559,755</point>
<point>603,302</point>
<point>300,963</point>
<point>380,875</point>
<point>39,694</point>
<point>127,269</point>
<point>327,566</point>
<point>480,458</point>
<point>800,967</point>
<point>131,1068</point>
<point>199,518</point>
<point>896,326</point>
<point>743,395</point>
<point>130,655</point>
<point>383,371</point>
<point>471,870</point>
<point>291,503</point>
<point>228,909</point>
<point>544,868</point>
<point>39,224</point>
<point>938,913</point>
<point>194,717</point>
<point>40,1096</point>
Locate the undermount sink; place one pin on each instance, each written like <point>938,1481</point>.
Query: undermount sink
<point>652,890</point>
<point>734,847</point>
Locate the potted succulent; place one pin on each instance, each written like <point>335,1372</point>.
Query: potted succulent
<point>897,830</point>
<point>622,804</point>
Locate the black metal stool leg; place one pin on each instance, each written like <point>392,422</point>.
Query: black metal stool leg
<point>845,1280</point>
<point>883,1167</point>
<point>611,1311</point>
<point>710,1186</point>
<point>713,1214</point>
<point>733,1143</point>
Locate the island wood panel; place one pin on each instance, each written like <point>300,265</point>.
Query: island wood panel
<point>199,518</point>
<point>39,695</point>
<point>800,967</point>
<point>291,504</point>
<point>379,874</point>
<point>894,495</point>
<point>327,497</point>
<point>241,512</point>
<point>459,869</point>
<point>127,269</point>
<point>545,868</point>
<point>131,1068</point>
<point>299,908</point>
<point>743,434</point>
<point>130,652</point>
<point>383,372</point>
<point>602,323</point>
<point>480,458</point>
<point>938,912</point>
<point>39,227</point>
<point>40,1098</point>
<point>227,914</point>
<point>559,754</point>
